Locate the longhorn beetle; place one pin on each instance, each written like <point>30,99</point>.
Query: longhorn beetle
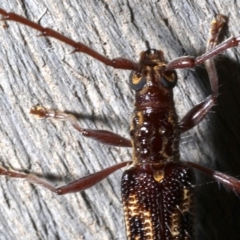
<point>157,188</point>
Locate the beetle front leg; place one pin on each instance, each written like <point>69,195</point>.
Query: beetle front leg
<point>198,112</point>
<point>191,62</point>
<point>102,136</point>
<point>212,49</point>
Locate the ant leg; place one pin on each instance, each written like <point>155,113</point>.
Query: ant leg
<point>75,186</point>
<point>224,179</point>
<point>102,136</point>
<point>121,63</point>
<point>197,113</point>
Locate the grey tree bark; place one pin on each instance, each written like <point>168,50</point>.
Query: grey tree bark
<point>36,70</point>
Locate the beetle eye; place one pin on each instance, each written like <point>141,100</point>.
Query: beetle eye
<point>137,81</point>
<point>169,79</point>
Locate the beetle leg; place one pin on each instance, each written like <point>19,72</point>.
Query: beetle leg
<point>226,180</point>
<point>74,186</point>
<point>198,112</point>
<point>102,136</point>
<point>191,62</point>
<point>212,48</point>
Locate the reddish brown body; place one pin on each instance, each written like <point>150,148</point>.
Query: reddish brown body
<point>157,189</point>
<point>157,192</point>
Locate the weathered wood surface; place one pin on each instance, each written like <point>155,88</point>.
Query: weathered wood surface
<point>38,70</point>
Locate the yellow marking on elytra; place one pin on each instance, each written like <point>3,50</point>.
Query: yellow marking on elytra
<point>133,205</point>
<point>134,209</point>
<point>183,208</point>
<point>175,219</point>
<point>187,200</point>
<point>158,175</point>
<point>180,210</point>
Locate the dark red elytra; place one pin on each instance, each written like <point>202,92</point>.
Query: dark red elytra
<point>157,188</point>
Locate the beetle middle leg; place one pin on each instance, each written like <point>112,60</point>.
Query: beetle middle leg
<point>102,136</point>
<point>83,183</point>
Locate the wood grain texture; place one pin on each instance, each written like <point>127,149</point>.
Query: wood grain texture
<point>38,70</point>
